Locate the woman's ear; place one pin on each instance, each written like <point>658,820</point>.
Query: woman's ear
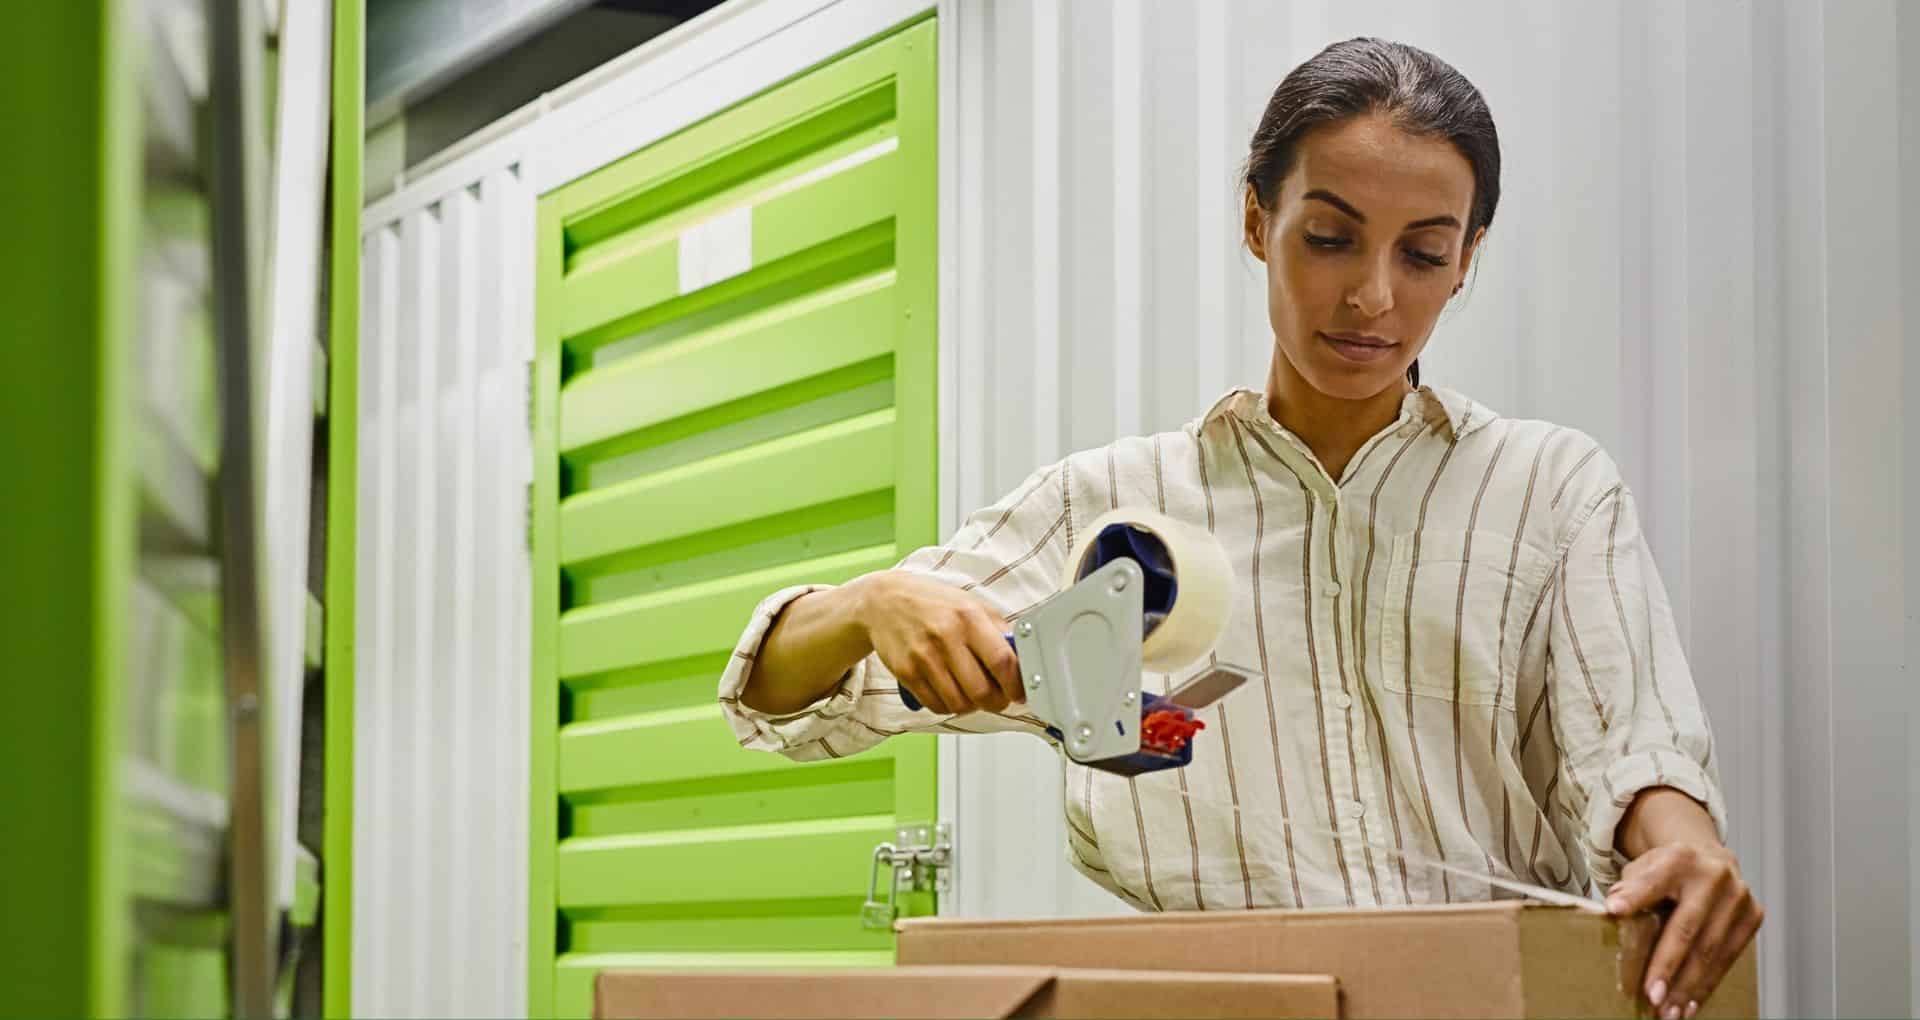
<point>1254,224</point>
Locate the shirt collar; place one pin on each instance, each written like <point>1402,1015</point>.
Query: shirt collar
<point>1434,404</point>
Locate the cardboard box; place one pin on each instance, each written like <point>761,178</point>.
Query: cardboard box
<point>1504,959</point>
<point>960,991</point>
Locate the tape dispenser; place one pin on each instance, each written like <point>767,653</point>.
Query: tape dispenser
<point>1142,592</point>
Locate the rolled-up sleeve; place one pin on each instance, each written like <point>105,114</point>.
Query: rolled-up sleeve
<point>1010,554</point>
<point>1625,710</point>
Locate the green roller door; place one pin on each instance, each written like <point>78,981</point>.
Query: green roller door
<point>734,392</point>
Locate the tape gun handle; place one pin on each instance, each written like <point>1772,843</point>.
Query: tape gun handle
<point>913,703</point>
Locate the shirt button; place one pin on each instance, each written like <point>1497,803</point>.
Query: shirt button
<point>1355,809</point>
<point>1343,701</point>
<point>1331,590</point>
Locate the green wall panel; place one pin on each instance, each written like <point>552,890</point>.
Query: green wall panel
<point>343,493</point>
<point>66,551</point>
<point>703,437</point>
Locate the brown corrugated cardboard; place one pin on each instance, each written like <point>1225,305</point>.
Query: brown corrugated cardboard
<point>1129,993</point>
<point>1504,959</point>
<point>961,991</point>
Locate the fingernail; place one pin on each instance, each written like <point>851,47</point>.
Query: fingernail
<point>1616,905</point>
<point>1673,1012</point>
<point>1692,1008</point>
<point>1657,992</point>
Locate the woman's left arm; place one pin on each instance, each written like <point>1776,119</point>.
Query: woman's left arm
<point>1637,754</point>
<point>1676,855</point>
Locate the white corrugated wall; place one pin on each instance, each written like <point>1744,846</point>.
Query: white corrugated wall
<point>1687,263</point>
<point>441,724</point>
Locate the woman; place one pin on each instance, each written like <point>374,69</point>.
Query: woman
<point>1464,650</point>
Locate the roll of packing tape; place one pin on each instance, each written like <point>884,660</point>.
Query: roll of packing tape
<point>1189,588</point>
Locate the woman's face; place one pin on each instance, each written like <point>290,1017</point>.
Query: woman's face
<point>1363,247</point>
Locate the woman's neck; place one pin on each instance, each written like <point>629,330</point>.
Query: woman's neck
<point>1333,428</point>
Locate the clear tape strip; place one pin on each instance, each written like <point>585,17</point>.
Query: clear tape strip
<point>1558,897</point>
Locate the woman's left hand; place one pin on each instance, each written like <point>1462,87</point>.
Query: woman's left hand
<point>1714,917</point>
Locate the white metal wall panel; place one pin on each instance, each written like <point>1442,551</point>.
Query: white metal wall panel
<point>299,188</point>
<point>441,725</point>
<point>1685,264</point>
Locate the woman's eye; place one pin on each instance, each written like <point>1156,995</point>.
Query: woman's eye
<point>1425,260</point>
<point>1324,241</point>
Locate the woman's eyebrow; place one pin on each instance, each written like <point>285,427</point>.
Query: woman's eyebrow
<point>1337,202</point>
<point>1344,206</point>
<point>1434,221</point>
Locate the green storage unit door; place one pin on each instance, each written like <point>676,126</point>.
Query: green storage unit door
<point>734,392</point>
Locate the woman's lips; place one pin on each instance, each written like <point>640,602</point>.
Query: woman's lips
<point>1359,348</point>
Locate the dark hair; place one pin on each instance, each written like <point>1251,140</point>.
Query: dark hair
<point>1422,93</point>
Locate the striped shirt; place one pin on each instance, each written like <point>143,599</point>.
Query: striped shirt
<point>1461,651</point>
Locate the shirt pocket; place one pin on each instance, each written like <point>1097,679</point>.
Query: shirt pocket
<point>1443,615</point>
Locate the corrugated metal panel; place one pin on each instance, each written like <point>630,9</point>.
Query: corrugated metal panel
<point>740,325</point>
<point>1657,276</point>
<point>1101,293</point>
<point>441,664</point>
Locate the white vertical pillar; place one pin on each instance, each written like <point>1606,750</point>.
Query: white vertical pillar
<point>1128,212</point>
<point>377,651</point>
<point>420,354</point>
<point>1048,275</point>
<point>469,325</point>
<point>1872,954</point>
<point>1213,241</point>
<point>506,298</point>
<point>299,187</point>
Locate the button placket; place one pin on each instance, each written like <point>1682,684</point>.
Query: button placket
<point>1350,810</point>
<point>1336,702</point>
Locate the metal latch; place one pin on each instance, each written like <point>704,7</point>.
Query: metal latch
<point>919,859</point>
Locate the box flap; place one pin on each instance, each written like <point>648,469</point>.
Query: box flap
<point>1579,965</point>
<point>942,992</point>
<point>963,992</point>
<point>1456,960</point>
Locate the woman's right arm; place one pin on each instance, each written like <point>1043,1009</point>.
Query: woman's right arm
<point>943,644</point>
<point>821,671</point>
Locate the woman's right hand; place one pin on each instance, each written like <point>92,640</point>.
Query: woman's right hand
<point>946,646</point>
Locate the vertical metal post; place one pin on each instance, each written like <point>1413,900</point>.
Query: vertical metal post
<point>231,171</point>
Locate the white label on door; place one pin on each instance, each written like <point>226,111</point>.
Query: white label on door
<point>716,249</point>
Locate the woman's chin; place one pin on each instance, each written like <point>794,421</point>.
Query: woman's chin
<point>1341,378</point>
<point>1344,382</point>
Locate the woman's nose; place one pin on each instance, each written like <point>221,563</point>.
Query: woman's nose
<point>1372,294</point>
